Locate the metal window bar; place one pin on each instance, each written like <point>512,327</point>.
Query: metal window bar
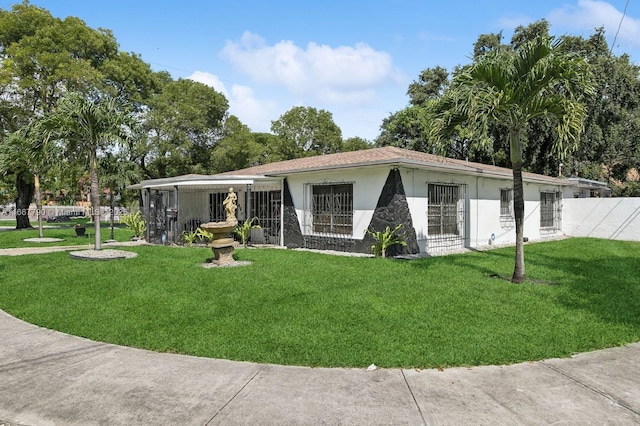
<point>506,202</point>
<point>332,207</point>
<point>446,213</point>
<point>547,209</point>
<point>328,219</point>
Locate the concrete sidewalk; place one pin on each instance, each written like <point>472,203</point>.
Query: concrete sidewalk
<point>50,378</point>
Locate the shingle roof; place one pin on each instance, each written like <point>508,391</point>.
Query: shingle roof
<point>382,156</point>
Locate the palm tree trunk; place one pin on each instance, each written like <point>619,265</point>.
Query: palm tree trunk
<point>95,199</point>
<point>113,213</point>
<point>38,200</point>
<point>515,148</point>
<point>518,207</point>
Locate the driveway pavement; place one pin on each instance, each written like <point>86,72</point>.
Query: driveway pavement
<point>51,378</point>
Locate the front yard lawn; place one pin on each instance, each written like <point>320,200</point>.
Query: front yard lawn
<point>14,238</point>
<point>304,308</point>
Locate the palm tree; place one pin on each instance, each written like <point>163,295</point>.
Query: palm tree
<point>88,127</point>
<point>512,87</point>
<point>116,173</point>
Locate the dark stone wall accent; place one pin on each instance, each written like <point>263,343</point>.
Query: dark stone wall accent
<point>392,209</point>
<point>291,226</point>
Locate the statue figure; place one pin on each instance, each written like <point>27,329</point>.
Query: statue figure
<point>230,206</point>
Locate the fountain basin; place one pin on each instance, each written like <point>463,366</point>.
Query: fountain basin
<point>221,243</point>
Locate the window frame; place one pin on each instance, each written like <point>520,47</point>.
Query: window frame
<point>331,208</point>
<point>506,203</point>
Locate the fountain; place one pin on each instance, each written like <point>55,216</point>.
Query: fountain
<point>221,243</point>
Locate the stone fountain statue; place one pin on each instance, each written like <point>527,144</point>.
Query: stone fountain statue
<point>221,242</point>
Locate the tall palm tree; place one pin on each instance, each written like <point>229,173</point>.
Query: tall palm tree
<point>512,87</point>
<point>89,127</point>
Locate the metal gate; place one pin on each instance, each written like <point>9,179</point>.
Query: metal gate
<point>446,213</point>
<point>266,206</point>
<point>157,219</point>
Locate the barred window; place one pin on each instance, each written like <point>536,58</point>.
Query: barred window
<point>332,208</point>
<point>442,210</point>
<point>506,202</point>
<point>550,210</point>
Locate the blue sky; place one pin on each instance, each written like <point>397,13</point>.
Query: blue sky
<point>354,59</point>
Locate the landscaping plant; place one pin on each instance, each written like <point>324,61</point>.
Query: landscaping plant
<point>243,231</point>
<point>135,222</point>
<point>386,239</point>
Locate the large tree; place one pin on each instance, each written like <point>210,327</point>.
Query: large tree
<point>513,87</point>
<point>183,124</point>
<point>89,126</point>
<point>41,58</point>
<point>237,149</point>
<point>307,131</point>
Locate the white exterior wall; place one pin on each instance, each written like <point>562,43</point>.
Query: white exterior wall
<point>483,207</point>
<point>367,187</point>
<point>610,218</point>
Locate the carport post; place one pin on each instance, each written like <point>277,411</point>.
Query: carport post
<point>247,215</point>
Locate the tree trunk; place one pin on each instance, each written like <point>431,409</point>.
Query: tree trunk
<point>38,199</point>
<point>518,208</point>
<point>112,217</point>
<point>24,190</point>
<point>515,148</point>
<point>95,199</point>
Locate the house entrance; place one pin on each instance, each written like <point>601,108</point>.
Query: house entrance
<point>266,205</point>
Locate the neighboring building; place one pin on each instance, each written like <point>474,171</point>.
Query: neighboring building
<point>586,188</point>
<point>329,201</point>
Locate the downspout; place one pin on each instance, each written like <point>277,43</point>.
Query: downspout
<point>477,211</point>
<point>175,218</point>
<point>247,215</point>
<point>281,239</point>
<point>147,213</point>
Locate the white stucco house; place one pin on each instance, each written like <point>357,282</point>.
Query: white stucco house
<point>329,201</point>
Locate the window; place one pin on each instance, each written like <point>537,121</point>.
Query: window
<point>332,208</point>
<point>506,203</point>
<point>442,211</point>
<point>550,210</point>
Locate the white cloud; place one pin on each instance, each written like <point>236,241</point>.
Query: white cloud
<point>343,74</point>
<point>243,104</point>
<point>591,14</point>
<point>210,80</point>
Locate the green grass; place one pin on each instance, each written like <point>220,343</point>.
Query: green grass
<point>14,238</point>
<point>303,308</point>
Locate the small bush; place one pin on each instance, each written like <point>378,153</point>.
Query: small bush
<point>386,239</point>
<point>135,222</point>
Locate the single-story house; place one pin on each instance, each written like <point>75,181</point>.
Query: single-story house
<point>329,201</point>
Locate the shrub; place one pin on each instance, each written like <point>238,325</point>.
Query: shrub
<point>244,230</point>
<point>135,222</point>
<point>386,239</point>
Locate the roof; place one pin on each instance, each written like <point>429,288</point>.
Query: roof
<point>388,155</point>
